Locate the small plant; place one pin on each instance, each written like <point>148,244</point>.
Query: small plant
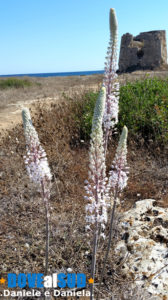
<point>38,169</point>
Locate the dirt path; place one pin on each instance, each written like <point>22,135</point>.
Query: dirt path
<point>10,115</point>
<point>51,89</point>
<point>43,90</point>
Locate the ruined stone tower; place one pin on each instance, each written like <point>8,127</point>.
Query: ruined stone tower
<point>147,50</point>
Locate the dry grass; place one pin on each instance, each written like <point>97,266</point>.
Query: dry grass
<point>44,87</point>
<point>22,224</point>
<point>50,89</point>
<point>53,87</point>
<point>45,90</point>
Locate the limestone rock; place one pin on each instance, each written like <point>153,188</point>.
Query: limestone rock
<point>144,247</point>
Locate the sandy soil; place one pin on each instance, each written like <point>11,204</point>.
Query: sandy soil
<point>52,89</point>
<point>46,90</point>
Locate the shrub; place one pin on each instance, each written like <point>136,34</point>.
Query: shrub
<point>82,114</point>
<point>144,108</point>
<point>14,83</point>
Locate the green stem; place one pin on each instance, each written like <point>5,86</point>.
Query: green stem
<point>45,200</point>
<point>109,242</point>
<point>93,267</point>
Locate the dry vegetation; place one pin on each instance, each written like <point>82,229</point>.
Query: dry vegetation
<point>44,87</point>
<point>22,230</point>
<point>51,89</point>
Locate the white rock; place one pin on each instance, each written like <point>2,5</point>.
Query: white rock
<point>69,270</point>
<point>144,231</point>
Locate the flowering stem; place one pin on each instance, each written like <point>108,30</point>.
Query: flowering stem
<point>38,170</point>
<point>117,182</point>
<point>111,83</point>
<point>47,240</point>
<point>109,242</point>
<point>95,238</point>
<point>47,227</point>
<point>107,130</point>
<point>96,208</point>
<point>93,267</point>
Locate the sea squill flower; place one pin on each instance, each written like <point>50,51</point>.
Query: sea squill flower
<point>117,182</point>
<point>96,208</point>
<point>37,168</point>
<point>118,176</point>
<point>35,159</point>
<point>110,81</point>
<point>95,186</point>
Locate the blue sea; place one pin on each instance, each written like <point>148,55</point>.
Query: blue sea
<point>81,73</point>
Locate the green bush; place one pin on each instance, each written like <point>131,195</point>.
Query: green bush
<point>83,113</point>
<point>14,83</point>
<point>143,109</point>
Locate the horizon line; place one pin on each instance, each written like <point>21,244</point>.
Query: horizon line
<point>41,73</point>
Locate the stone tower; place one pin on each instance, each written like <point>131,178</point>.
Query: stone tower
<point>147,50</point>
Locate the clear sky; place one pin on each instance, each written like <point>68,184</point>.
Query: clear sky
<point>39,36</point>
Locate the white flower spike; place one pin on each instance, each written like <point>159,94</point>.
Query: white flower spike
<point>110,81</point>
<point>96,208</point>
<point>119,170</point>
<point>35,160</point>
